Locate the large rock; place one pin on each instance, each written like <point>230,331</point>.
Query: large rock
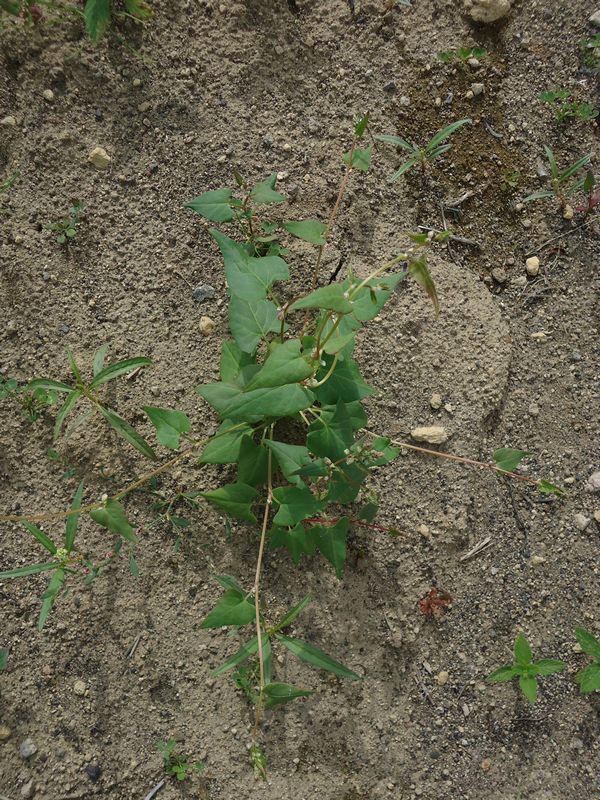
<point>487,10</point>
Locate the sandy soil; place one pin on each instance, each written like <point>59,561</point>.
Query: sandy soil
<point>257,86</point>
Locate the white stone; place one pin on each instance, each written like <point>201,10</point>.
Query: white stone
<point>442,677</point>
<point>581,521</point>
<point>8,122</point>
<point>595,18</point>
<point>48,95</point>
<point>435,401</point>
<point>207,326</point>
<point>477,88</point>
<point>487,10</point>
<point>79,688</point>
<point>532,265</point>
<point>568,212</point>
<point>593,482</point>
<point>99,158</point>
<point>433,434</point>
<point>536,561</point>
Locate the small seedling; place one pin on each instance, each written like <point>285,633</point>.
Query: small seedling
<point>462,55</point>
<point>510,180</point>
<point>5,187</point>
<point>525,669</point>
<point>590,52</point>
<point>561,188</point>
<point>422,155</point>
<point>590,187</point>
<point>589,677</point>
<point>569,110</point>
<point>33,402</point>
<point>177,765</point>
<point>435,603</point>
<point>66,228</point>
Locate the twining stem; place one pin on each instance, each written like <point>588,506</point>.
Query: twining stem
<point>461,459</point>
<point>329,225</point>
<point>329,373</point>
<point>256,590</point>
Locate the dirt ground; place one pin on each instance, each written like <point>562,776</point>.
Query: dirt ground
<point>262,86</point>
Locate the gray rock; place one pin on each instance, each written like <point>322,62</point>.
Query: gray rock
<point>202,292</point>
<point>477,88</point>
<point>8,122</point>
<point>487,10</point>
<point>595,18</point>
<point>593,482</point>
<point>499,275</point>
<point>581,521</point>
<point>27,748</point>
<point>390,87</point>
<point>28,789</point>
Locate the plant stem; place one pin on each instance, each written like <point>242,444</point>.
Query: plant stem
<point>259,561</point>
<point>329,373</point>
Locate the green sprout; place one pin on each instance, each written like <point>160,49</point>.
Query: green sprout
<point>525,669</point>
<point>66,228</point>
<point>561,187</point>
<point>589,677</point>
<point>569,110</point>
<point>422,155</point>
<point>461,55</point>
<point>177,765</point>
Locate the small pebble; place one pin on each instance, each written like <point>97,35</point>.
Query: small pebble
<point>390,87</point>
<point>486,764</point>
<point>593,482</point>
<point>526,223</point>
<point>568,212</point>
<point>442,677</point>
<point>435,401</point>
<point>581,521</point>
<point>597,516</point>
<point>532,265</point>
<point>536,561</point>
<point>404,100</point>
<point>477,89</point>
<point>48,95</point>
<point>5,733</point>
<point>93,772</point>
<point>595,18</point>
<point>27,748</point>
<point>534,410</point>
<point>469,95</point>
<point>433,434</point>
<point>11,327</point>
<point>136,82</point>
<point>499,275</point>
<point>202,292</point>
<point>28,789</point>
<point>99,158</point>
<point>8,122</point>
<point>79,688</point>
<point>207,326</point>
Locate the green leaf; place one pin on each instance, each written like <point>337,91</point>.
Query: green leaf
<point>48,383</point>
<point>360,126</point>
<point>293,613</point>
<point>50,595</point>
<point>242,654</point>
<point>316,658</point>
<point>588,643</point>
<point>331,437</point>
<point>369,301</point>
<point>232,609</point>
<point>113,517</point>
<point>290,458</point>
<point>169,425</point>
<point>44,540</point>
<point>233,359</point>
<point>346,383</point>
<point>124,429</point>
<point>356,413</point>
<point>137,9</point>
<point>440,136</point>
<point>522,651</point>
<point>97,17</point>
<point>297,541</point>
<point>338,343</point>
<point>267,659</point>
<point>11,7</point>
<point>99,356</point>
<point>346,482</point>
<point>409,164</point>
<point>528,685</point>
<point>133,566</point>
<point>252,463</point>
<point>64,412</point>
<point>214,205</point>
<point>581,162</point>
<point>275,401</point>
<point>545,487</point>
<point>3,658</point>
<point>411,147</point>
<point>227,582</point>
<point>251,320</point>
<point>331,542</point>
<point>388,453</point>
<point>543,193</point>
<point>420,273</point>
<point>508,459</point>
<point>295,504</point>
<point>120,368</point>
<point>285,364</point>
<point>224,447</point>
<point>235,499</point>
<point>277,693</point>
<point>310,230</point>
<point>589,678</point>
<point>548,666</point>
<point>264,192</point>
<point>368,512</point>
<point>503,674</point>
<point>332,297</point>
<point>551,162</point>
<point>361,159</point>
<point>30,569</point>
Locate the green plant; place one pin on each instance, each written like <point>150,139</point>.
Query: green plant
<point>590,52</point>
<point>422,155</point>
<point>33,402</point>
<point>510,180</point>
<point>292,424</point>
<point>177,765</point>
<point>66,228</point>
<point>589,677</point>
<point>86,391</point>
<point>462,55</point>
<point>5,187</point>
<point>525,669</point>
<point>571,110</point>
<point>561,188</point>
